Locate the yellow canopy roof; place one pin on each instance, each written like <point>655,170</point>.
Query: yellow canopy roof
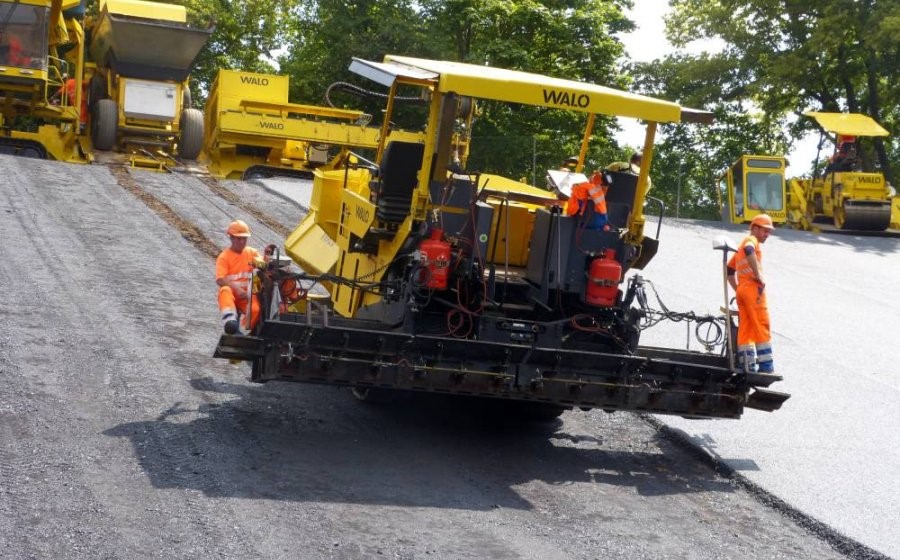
<point>848,124</point>
<point>513,86</point>
<point>516,190</point>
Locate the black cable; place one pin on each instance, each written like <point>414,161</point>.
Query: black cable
<point>362,92</point>
<point>710,329</point>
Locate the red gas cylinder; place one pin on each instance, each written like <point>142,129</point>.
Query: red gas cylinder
<point>437,259</point>
<point>604,275</point>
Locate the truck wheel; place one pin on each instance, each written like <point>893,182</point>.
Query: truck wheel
<point>255,172</point>
<point>191,140</point>
<point>104,124</point>
<point>186,98</point>
<point>96,90</point>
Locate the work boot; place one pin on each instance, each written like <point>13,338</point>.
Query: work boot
<point>747,358</point>
<point>764,357</point>
<point>232,327</point>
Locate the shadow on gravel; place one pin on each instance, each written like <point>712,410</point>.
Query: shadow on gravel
<point>312,443</point>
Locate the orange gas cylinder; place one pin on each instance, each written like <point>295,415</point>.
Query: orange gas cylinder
<point>604,275</point>
<point>437,259</point>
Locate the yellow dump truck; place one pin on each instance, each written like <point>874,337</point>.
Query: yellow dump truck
<point>41,49</point>
<point>848,195</point>
<point>438,283</point>
<point>141,55</point>
<point>252,131</point>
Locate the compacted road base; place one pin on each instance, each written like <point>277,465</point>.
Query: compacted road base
<point>122,438</point>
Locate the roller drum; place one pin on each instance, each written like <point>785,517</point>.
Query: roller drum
<point>864,215</point>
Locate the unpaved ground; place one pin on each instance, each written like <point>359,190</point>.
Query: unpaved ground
<point>122,438</point>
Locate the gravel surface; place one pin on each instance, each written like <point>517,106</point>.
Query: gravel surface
<point>123,438</point>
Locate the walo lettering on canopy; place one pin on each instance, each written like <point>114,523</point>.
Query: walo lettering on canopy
<point>254,80</point>
<point>568,98</point>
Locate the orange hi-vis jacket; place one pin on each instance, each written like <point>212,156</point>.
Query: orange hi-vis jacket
<point>238,267</point>
<point>71,90</point>
<point>593,190</point>
<point>740,263</point>
<point>753,310</point>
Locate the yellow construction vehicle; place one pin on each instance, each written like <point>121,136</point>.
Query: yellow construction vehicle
<point>852,198</point>
<point>252,131</point>
<point>443,280</point>
<point>753,185</point>
<point>41,49</point>
<point>895,212</point>
<point>141,54</point>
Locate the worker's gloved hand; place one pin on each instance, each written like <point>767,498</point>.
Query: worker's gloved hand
<point>239,289</point>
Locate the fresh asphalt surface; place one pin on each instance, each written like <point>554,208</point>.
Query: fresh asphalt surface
<point>833,450</point>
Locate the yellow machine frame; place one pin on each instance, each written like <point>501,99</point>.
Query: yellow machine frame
<point>252,129</point>
<point>34,87</point>
<point>758,180</point>
<point>340,221</point>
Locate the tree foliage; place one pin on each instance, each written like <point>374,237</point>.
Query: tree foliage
<point>313,42</point>
<point>248,34</point>
<point>787,57</point>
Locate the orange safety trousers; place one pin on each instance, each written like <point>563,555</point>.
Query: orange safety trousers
<point>228,302</point>
<point>753,314</point>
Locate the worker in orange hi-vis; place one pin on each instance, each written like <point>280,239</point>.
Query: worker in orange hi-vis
<point>745,275</point>
<point>71,89</point>
<point>590,192</point>
<point>234,270</point>
<point>15,52</point>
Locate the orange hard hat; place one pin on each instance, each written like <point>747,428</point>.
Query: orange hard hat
<point>238,228</point>
<point>763,221</point>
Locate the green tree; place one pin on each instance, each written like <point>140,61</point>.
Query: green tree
<point>327,34</point>
<point>791,56</point>
<point>572,39</point>
<point>248,34</point>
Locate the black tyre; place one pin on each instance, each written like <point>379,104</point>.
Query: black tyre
<point>186,99</point>
<point>255,173</point>
<point>96,90</point>
<point>190,142</point>
<point>104,124</point>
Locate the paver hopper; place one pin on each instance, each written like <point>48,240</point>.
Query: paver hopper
<point>143,53</point>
